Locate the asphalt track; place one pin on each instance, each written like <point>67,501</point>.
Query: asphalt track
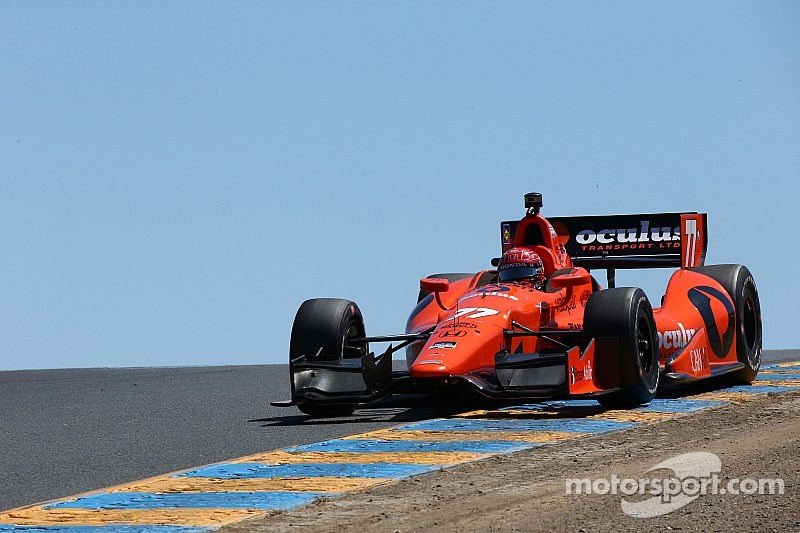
<point>63,432</point>
<point>70,431</point>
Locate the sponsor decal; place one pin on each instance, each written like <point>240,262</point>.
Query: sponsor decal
<point>558,246</point>
<point>444,345</point>
<point>483,294</point>
<point>506,231</point>
<point>454,333</point>
<point>676,338</point>
<point>643,234</point>
<point>647,234</point>
<point>720,342</point>
<point>493,287</point>
<point>580,375</point>
<point>514,265</point>
<point>699,359</point>
<point>458,325</point>
<point>585,297</point>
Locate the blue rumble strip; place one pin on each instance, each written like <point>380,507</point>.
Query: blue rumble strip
<point>571,426</point>
<point>199,500</point>
<point>66,528</point>
<point>678,405</point>
<point>557,405</point>
<point>306,470</point>
<point>660,405</point>
<point>763,389</point>
<point>778,377</point>
<point>777,368</point>
<point>373,446</point>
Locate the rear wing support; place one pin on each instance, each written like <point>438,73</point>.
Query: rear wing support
<point>611,277</point>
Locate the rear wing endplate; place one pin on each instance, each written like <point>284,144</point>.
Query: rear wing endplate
<point>630,241</point>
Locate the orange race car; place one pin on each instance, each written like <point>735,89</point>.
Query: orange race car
<point>540,326</point>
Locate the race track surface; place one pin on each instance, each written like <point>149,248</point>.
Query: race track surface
<point>95,428</point>
<point>64,432</point>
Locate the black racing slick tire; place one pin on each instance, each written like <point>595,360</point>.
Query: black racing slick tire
<point>625,313</point>
<point>323,330</point>
<point>449,277</point>
<point>738,282</point>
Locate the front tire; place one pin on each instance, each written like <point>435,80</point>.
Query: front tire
<point>626,314</point>
<point>738,282</point>
<point>324,329</point>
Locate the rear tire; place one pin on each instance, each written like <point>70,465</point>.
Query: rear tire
<point>738,282</point>
<point>626,314</point>
<point>323,331</point>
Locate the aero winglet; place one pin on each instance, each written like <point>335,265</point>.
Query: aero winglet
<point>596,370</point>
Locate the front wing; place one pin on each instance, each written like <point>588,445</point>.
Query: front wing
<point>571,371</point>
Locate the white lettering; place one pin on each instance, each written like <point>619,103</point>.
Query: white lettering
<point>677,338</point>
<point>661,234</point>
<point>478,312</point>
<point>699,360</point>
<point>643,233</point>
<point>585,237</point>
<point>603,236</point>
<point>627,235</point>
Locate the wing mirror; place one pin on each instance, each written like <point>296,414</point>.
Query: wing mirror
<point>434,285</point>
<point>571,279</point>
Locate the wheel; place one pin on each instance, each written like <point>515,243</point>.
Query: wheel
<point>739,284</point>
<point>449,277</point>
<point>626,313</point>
<point>323,330</point>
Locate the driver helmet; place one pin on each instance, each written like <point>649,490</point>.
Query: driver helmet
<point>519,264</point>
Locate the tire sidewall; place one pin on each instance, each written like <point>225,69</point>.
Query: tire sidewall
<point>352,318</point>
<point>747,352</point>
<point>323,323</point>
<point>644,381</point>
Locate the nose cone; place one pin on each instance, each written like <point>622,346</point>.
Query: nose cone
<point>454,350</point>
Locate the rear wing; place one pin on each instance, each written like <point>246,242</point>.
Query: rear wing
<point>629,241</point>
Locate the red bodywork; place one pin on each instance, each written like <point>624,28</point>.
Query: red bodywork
<point>512,340</point>
<point>470,324</point>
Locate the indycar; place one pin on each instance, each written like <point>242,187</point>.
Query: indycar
<point>569,337</point>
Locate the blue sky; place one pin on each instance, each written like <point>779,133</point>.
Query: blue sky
<point>177,177</point>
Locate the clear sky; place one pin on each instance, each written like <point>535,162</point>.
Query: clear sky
<point>177,177</point>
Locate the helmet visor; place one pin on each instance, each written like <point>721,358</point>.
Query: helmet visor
<point>521,271</point>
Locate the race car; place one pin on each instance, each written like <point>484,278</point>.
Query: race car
<point>540,326</point>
